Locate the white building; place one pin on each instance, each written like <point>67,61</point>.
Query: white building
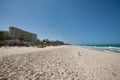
<point>28,36</point>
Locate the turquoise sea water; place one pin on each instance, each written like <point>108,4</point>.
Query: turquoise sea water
<point>105,47</point>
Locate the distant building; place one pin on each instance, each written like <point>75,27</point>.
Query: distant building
<point>28,36</point>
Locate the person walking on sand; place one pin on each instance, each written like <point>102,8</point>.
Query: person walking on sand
<point>79,53</point>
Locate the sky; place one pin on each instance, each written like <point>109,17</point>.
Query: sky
<point>72,21</point>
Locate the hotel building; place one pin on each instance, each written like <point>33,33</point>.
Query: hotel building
<point>15,33</point>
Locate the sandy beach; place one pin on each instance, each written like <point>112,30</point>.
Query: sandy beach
<point>58,63</point>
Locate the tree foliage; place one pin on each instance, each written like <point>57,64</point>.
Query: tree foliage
<point>1,36</point>
<point>48,42</point>
<point>21,37</point>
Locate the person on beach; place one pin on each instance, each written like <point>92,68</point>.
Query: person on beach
<point>79,54</point>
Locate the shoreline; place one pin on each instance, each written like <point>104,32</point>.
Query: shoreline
<point>66,62</point>
<point>101,50</point>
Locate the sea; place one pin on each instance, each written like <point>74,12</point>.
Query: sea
<point>105,47</point>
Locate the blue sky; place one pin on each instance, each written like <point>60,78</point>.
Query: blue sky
<point>73,21</point>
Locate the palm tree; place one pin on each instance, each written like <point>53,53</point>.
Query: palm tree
<point>21,38</point>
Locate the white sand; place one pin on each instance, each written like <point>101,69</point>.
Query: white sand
<point>21,50</point>
<point>58,63</point>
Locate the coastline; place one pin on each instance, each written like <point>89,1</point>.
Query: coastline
<point>58,63</point>
<point>101,50</point>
